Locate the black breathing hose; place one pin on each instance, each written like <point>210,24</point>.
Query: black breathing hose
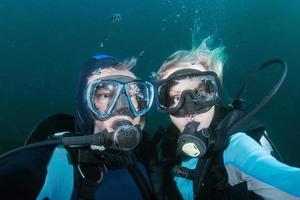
<point>265,100</point>
<point>30,146</point>
<point>125,137</point>
<point>84,140</point>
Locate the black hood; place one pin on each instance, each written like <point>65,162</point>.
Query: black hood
<point>84,122</point>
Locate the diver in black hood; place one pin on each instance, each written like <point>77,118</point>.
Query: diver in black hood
<point>111,103</point>
<point>211,151</point>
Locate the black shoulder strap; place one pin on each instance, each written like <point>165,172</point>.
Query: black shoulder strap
<point>88,173</point>
<point>162,163</point>
<point>200,173</point>
<point>140,181</point>
<point>87,179</point>
<point>55,123</point>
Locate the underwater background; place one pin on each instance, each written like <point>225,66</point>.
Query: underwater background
<point>43,45</point>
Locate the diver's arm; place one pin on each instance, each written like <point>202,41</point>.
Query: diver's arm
<point>246,160</point>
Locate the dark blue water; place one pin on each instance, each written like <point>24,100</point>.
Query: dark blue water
<point>43,44</point>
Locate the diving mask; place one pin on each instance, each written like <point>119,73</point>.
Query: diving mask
<point>188,92</point>
<point>106,95</point>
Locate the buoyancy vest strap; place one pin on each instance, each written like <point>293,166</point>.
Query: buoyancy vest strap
<point>200,175</point>
<point>88,177</point>
<point>183,172</point>
<point>140,181</point>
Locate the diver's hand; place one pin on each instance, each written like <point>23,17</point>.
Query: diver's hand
<point>191,127</point>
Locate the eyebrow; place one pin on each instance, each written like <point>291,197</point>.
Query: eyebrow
<point>103,90</point>
<point>176,92</point>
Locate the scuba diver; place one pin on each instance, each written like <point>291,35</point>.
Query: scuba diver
<point>209,152</point>
<point>104,152</point>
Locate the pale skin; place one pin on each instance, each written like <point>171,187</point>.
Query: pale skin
<point>180,122</point>
<point>100,125</point>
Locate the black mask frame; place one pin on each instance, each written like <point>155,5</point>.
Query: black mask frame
<point>197,105</point>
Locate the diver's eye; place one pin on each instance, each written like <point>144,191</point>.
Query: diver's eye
<point>100,96</point>
<point>133,95</point>
<point>176,99</point>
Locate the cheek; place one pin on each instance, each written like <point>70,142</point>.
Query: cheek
<point>179,122</point>
<point>100,106</point>
<point>205,118</point>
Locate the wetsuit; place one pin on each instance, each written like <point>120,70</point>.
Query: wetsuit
<point>60,173</point>
<point>245,169</point>
<point>45,173</point>
<point>247,161</point>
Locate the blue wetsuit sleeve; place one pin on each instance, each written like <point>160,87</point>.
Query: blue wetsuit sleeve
<point>246,160</point>
<point>59,182</point>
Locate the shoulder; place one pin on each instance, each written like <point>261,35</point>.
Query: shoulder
<point>246,155</point>
<point>60,167</point>
<point>60,156</point>
<point>241,146</point>
<point>240,157</point>
<point>247,160</point>
<point>24,173</point>
<point>34,160</point>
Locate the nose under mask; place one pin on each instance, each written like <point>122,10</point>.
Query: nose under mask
<point>190,107</point>
<point>122,108</point>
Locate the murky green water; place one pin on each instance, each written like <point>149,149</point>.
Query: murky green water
<point>43,44</point>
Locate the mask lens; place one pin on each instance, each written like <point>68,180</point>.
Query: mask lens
<point>202,88</point>
<point>205,89</point>
<point>168,96</point>
<point>102,96</point>
<point>140,94</point>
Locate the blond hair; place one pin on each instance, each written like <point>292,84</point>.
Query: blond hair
<point>127,64</point>
<point>210,59</point>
